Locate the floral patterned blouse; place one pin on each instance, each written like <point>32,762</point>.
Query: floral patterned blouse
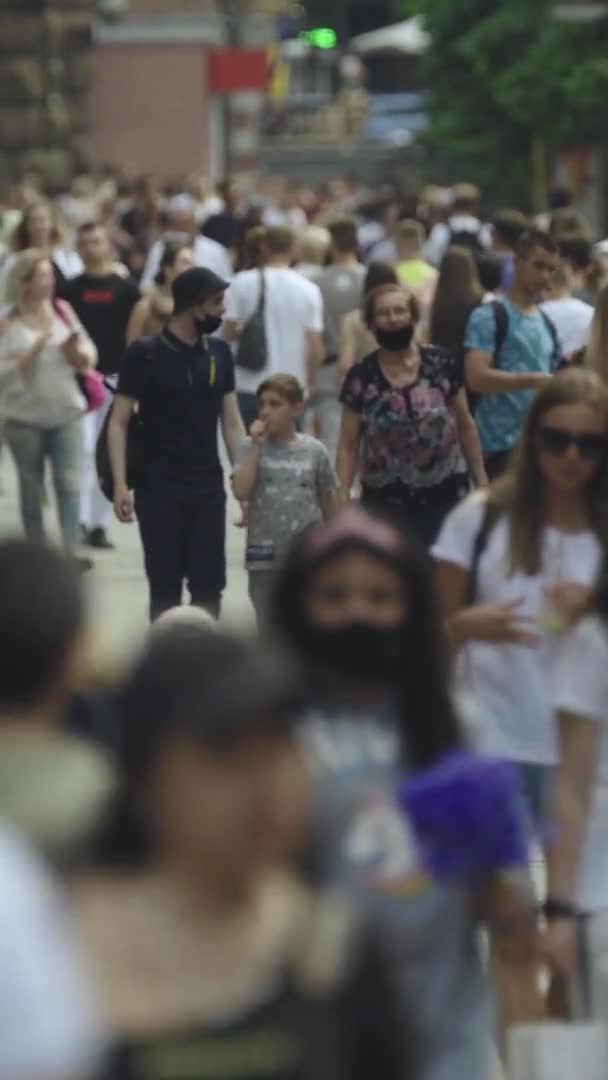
<point>409,434</point>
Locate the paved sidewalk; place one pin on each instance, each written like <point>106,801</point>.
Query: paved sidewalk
<point>117,584</point>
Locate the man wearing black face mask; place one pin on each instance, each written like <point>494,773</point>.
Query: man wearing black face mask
<point>183,383</point>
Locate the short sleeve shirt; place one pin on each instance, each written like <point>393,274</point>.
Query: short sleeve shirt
<point>581,687</point>
<point>528,347</point>
<point>48,1012</point>
<point>291,481</point>
<point>180,389</point>
<point>409,433</point>
<point>367,844</point>
<point>510,683</point>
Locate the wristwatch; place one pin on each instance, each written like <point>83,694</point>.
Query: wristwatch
<point>558,909</point>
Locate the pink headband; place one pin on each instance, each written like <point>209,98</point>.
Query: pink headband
<point>353,524</point>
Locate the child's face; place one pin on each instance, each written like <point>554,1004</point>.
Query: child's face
<point>277,413</point>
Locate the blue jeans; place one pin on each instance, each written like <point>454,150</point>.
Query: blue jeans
<point>30,447</point>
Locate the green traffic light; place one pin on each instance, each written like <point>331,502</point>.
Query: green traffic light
<point>322,37</point>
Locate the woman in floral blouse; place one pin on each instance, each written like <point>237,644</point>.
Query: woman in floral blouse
<point>406,424</point>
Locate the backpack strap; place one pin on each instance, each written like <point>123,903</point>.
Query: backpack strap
<point>552,329</point>
<point>491,514</point>
<point>150,344</point>
<point>501,323</point>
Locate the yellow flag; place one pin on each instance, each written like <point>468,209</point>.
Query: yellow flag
<point>278,86</point>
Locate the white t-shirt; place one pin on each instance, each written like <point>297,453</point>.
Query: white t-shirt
<point>572,320</point>
<point>581,687</point>
<point>206,252</point>
<point>292,218</point>
<point>511,683</point>
<point>46,394</point>
<point>48,1020</point>
<point>293,307</point>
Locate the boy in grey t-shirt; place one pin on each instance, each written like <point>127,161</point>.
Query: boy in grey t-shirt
<point>287,479</point>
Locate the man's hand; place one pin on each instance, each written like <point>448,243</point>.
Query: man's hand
<point>243,521</point>
<point>537,379</point>
<point>124,506</point>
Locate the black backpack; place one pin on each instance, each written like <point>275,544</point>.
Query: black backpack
<point>467,238</point>
<point>501,322</point>
<point>252,349</point>
<point>136,448</point>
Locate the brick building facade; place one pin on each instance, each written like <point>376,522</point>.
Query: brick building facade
<point>153,103</point>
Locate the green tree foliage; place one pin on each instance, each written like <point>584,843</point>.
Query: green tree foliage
<point>503,73</point>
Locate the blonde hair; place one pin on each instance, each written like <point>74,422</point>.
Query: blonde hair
<point>22,273</point>
<point>20,238</point>
<point>596,356</point>
<point>520,493</point>
<point>313,244</point>
<point>286,386</point>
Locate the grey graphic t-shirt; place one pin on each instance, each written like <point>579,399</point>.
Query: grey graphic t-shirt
<point>369,847</point>
<point>291,480</point>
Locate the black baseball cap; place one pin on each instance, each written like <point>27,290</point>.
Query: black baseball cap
<point>194,286</point>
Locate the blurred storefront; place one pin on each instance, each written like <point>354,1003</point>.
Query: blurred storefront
<point>162,74</point>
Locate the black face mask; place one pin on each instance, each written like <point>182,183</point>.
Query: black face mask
<point>208,324</point>
<point>363,651</point>
<point>395,340</point>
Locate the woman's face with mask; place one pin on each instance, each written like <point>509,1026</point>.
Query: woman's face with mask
<point>356,608</point>
<point>355,586</point>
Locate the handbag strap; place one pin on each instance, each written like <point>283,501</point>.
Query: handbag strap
<point>262,299</point>
<point>61,310</point>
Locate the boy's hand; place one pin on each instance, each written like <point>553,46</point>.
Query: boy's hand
<point>258,432</point>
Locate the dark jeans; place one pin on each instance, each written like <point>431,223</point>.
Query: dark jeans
<point>496,463</point>
<point>182,523</point>
<point>420,512</point>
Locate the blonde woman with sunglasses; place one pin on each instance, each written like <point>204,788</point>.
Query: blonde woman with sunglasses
<point>517,563</point>
<point>516,566</point>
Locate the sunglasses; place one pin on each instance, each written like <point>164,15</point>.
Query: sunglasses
<point>590,445</point>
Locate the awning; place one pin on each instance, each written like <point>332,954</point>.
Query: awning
<point>403,37</point>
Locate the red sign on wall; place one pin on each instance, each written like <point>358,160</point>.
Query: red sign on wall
<point>238,69</point>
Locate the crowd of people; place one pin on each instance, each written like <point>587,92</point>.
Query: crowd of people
<point>282,855</point>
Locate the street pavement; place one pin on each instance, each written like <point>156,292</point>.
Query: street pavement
<point>117,585</point>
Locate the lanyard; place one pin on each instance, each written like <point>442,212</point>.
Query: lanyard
<point>208,352</point>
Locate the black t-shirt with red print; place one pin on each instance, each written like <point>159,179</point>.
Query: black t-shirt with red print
<point>104,305</point>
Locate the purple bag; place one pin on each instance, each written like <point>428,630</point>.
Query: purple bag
<point>468,814</point>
